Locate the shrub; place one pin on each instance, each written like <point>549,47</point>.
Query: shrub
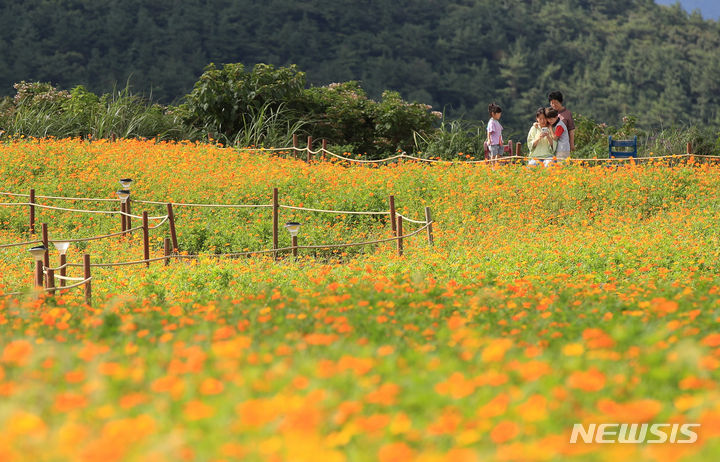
<point>222,99</point>
<point>344,115</point>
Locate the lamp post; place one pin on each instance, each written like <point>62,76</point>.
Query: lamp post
<point>126,183</point>
<point>38,254</point>
<point>124,195</point>
<point>62,247</point>
<point>293,228</point>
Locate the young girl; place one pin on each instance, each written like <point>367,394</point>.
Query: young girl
<point>494,131</point>
<point>560,134</point>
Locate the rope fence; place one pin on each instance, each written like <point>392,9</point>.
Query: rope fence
<point>45,277</point>
<point>514,154</point>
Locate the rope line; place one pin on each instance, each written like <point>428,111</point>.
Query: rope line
<point>66,278</point>
<point>95,238</point>
<point>49,289</point>
<point>253,252</point>
<point>17,244</point>
<point>166,218</point>
<point>11,294</point>
<point>499,159</point>
<point>94,199</point>
<point>332,211</point>
<point>83,282</point>
<point>237,206</point>
<point>46,269</point>
<point>410,219</point>
<point>358,244</point>
<point>124,263</point>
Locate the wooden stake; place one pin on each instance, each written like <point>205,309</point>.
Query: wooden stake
<point>146,238</point>
<point>86,275</point>
<point>123,228</point>
<point>167,248</point>
<point>46,243</point>
<point>32,211</point>
<point>127,218</point>
<point>276,212</point>
<point>518,148</point>
<point>39,274</point>
<point>428,220</point>
<point>51,280</point>
<point>392,215</point>
<point>688,149</point>
<point>399,236</point>
<point>173,233</point>
<point>294,247</point>
<point>63,271</point>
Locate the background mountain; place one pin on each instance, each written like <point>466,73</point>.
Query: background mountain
<point>610,57</point>
<point>710,9</point>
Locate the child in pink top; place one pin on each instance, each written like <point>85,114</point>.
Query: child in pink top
<point>494,131</point>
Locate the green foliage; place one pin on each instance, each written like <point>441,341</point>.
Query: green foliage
<point>344,115</point>
<point>341,113</point>
<point>592,138</point>
<point>40,110</point>
<point>396,121</point>
<point>223,100</point>
<point>453,138</point>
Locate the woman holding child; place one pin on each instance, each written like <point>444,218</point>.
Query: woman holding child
<point>560,134</point>
<point>540,141</point>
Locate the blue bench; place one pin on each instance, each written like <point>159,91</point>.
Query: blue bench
<point>612,144</point>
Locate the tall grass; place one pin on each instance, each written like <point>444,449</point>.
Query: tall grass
<point>82,114</point>
<point>268,126</point>
<point>451,139</point>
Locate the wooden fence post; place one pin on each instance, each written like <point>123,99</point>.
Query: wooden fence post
<point>63,271</point>
<point>688,149</point>
<point>309,149</point>
<point>38,274</point>
<point>146,238</point>
<point>393,222</point>
<point>294,247</point>
<point>399,236</point>
<point>167,246</point>
<point>128,222</point>
<point>324,148</point>
<point>428,221</point>
<point>173,232</point>
<point>51,280</point>
<point>276,211</point>
<point>518,148</point>
<point>86,276</point>
<point>32,211</point>
<point>123,228</point>
<point>46,243</point>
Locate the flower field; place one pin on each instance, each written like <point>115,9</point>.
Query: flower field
<point>549,298</point>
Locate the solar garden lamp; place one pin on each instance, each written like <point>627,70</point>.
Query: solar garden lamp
<point>126,182</point>
<point>293,228</point>
<point>38,254</point>
<point>123,195</point>
<point>62,247</point>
